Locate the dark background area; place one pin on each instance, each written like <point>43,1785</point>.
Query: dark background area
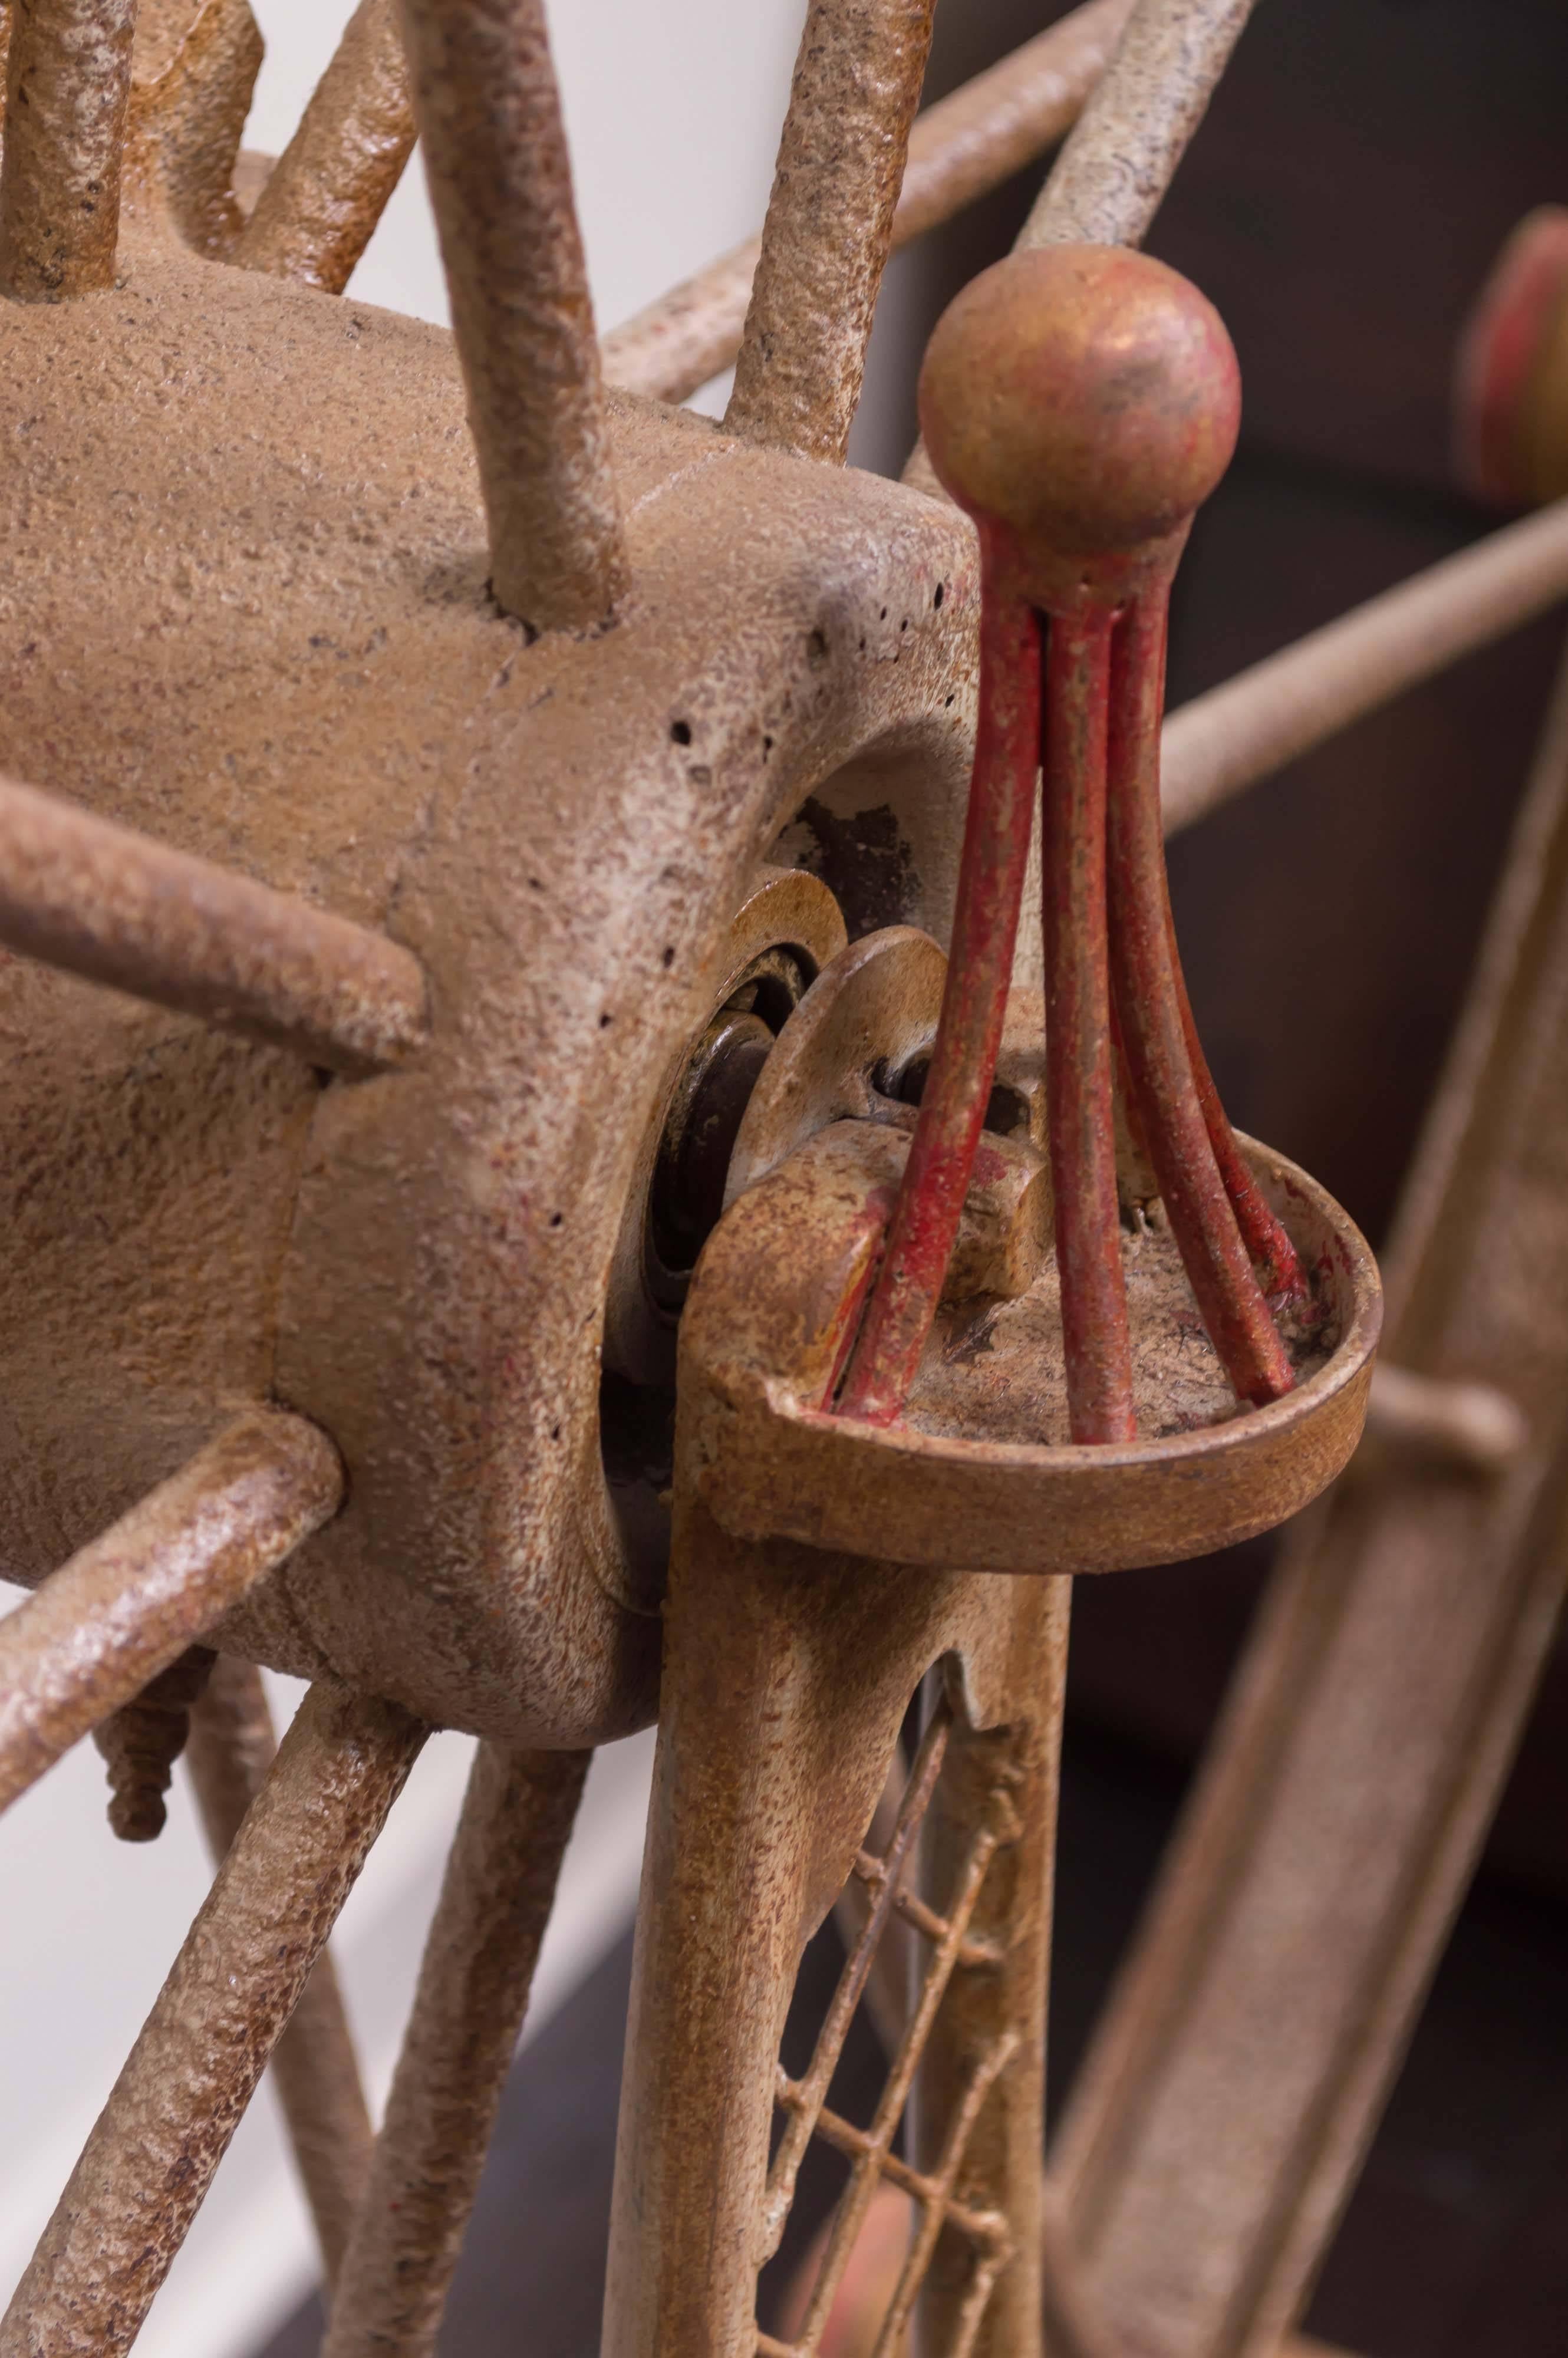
<point>1362,164</point>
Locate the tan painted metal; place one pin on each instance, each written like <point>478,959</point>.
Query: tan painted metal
<point>1290,702</point>
<point>478,1572</point>
<point>500,180</point>
<point>1134,130</point>
<point>97,901</point>
<point>766,1639</point>
<point>463,2034</point>
<point>314,2068</point>
<point>68,87</point>
<point>780,1759</point>
<point>968,142</point>
<point>1455,1423</point>
<point>193,72</point>
<point>534,717</point>
<point>939,1489</point>
<point>195,2065</point>
<point>872,1013</point>
<point>829,225</point>
<point>960,149</point>
<point>327,191</point>
<point>132,1601</point>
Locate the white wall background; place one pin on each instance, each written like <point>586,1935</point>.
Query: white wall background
<point>91,1927</point>
<point>673,110</point>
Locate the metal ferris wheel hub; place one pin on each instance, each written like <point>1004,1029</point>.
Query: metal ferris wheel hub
<point>602,1122</point>
<point>296,670</point>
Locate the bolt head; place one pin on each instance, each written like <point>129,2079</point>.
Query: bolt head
<point>1084,398</point>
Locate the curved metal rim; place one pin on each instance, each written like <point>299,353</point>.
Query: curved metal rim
<point>1009,1508</point>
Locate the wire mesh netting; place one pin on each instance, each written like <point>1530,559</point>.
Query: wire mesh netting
<point>905,2005</point>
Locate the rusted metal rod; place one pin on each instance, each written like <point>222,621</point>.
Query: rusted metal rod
<point>866,2169</point>
<point>194,2067</point>
<point>1284,706</point>
<point>689,334</point>
<point>467,2012</point>
<point>829,225</point>
<point>891,1982</point>
<point>1467,1428</point>
<point>805,2100</point>
<point>991,873</point>
<point>1073,765</point>
<point>128,1604</point>
<point>320,204</point>
<point>1268,1249</point>
<point>1107,182</point>
<point>314,2068</point>
<point>118,908</point>
<point>68,89</point>
<point>496,155</point>
<point>959,149</point>
<point>971,141</point>
<point>1150,1007</point>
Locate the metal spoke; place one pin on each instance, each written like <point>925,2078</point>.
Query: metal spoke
<point>968,144</point>
<point>193,78</point>
<point>314,2068</point>
<point>150,2158</point>
<point>330,187</point>
<point>496,155</point>
<point>829,223</point>
<point>118,908</point>
<point>959,149</point>
<point>1285,705</point>
<point>129,1604</point>
<point>67,90</point>
<point>1106,186</point>
<point>473,1991</point>
<point>1109,178</point>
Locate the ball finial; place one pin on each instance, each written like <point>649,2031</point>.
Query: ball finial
<point>1084,398</point>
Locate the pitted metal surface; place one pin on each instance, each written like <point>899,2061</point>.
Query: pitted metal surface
<point>290,662</point>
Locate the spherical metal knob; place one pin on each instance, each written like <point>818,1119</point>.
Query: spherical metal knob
<point>1083,398</point>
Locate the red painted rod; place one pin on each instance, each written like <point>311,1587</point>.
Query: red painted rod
<point>1080,402</point>
<point>926,1217</point>
<point>1149,1003</point>
<point>1268,1249</point>
<point>1098,1349</point>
